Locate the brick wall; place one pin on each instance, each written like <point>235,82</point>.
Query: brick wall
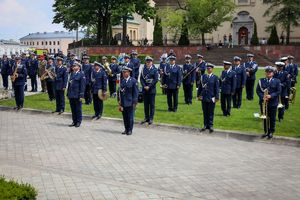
<point>156,52</point>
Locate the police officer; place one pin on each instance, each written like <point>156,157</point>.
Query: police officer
<point>189,75</point>
<point>5,71</point>
<point>148,79</point>
<point>19,83</point>
<point>99,81</point>
<point>128,99</point>
<point>228,85</point>
<point>61,81</point>
<point>282,75</point>
<point>32,66</point>
<point>208,93</point>
<point>113,77</point>
<point>251,69</point>
<point>135,61</point>
<point>201,67</point>
<point>87,70</point>
<point>50,80</point>
<point>172,81</point>
<point>70,62</point>
<point>273,87</point>
<point>75,93</point>
<point>295,70</point>
<point>163,63</point>
<point>241,77</point>
<point>24,63</point>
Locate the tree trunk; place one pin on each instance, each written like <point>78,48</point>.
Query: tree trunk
<point>99,30</point>
<point>105,38</point>
<point>124,37</point>
<point>203,38</point>
<point>288,32</point>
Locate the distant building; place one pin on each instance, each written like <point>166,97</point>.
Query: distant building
<point>52,41</point>
<point>10,47</point>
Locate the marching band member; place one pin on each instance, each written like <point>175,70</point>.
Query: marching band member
<point>282,76</point>
<point>148,79</point>
<point>128,99</point>
<point>241,77</point>
<point>136,64</point>
<point>228,85</point>
<point>289,69</point>
<point>87,70</point>
<point>272,85</point>
<point>113,78</point>
<point>41,71</point>
<point>129,65</point>
<point>18,77</point>
<point>75,93</point>
<point>208,93</point>
<point>50,80</point>
<point>99,81</point>
<point>171,81</point>
<point>5,70</point>
<point>295,70</point>
<point>251,69</point>
<point>188,79</point>
<point>32,66</point>
<point>60,84</point>
<point>162,65</point>
<point>201,67</point>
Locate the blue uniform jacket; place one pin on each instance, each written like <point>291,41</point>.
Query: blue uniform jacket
<point>274,88</point>
<point>87,69</point>
<point>61,78</point>
<point>228,82</point>
<point>130,65</point>
<point>136,65</point>
<point>282,76</point>
<point>32,66</point>
<point>290,70</point>
<point>190,79</point>
<point>251,67</point>
<point>5,67</point>
<point>128,92</point>
<point>172,76</point>
<point>149,77</point>
<point>209,88</point>
<point>99,81</point>
<point>241,75</point>
<point>201,66</point>
<point>114,70</point>
<point>22,75</point>
<point>76,85</point>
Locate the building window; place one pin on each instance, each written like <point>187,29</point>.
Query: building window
<point>46,43</point>
<point>42,43</point>
<point>50,50</point>
<point>37,43</point>
<point>33,43</point>
<point>49,42</point>
<point>243,1</point>
<point>57,42</point>
<point>54,51</point>
<point>266,1</point>
<point>53,42</point>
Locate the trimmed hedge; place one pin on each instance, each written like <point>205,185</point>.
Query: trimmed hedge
<point>99,57</point>
<point>17,191</point>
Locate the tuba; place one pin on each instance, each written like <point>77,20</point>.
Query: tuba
<point>292,96</point>
<point>48,74</point>
<point>107,69</point>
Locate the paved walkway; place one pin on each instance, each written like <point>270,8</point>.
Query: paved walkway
<point>96,162</point>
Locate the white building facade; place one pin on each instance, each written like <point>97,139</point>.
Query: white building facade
<point>10,47</point>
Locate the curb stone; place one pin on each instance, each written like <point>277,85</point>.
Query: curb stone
<point>226,134</point>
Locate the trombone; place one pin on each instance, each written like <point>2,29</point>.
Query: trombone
<point>265,116</point>
<point>280,105</point>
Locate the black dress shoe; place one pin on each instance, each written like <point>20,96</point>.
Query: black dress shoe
<point>77,125</point>
<point>129,133</point>
<point>144,121</point>
<point>270,135</point>
<point>73,124</point>
<point>202,129</point>
<point>94,117</point>
<point>211,130</point>
<point>124,132</point>
<point>175,110</point>
<point>150,122</point>
<point>264,135</point>
<point>15,108</point>
<point>98,117</point>
<point>60,112</point>
<point>170,110</point>
<point>54,111</point>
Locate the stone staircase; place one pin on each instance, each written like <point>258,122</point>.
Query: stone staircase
<point>217,55</point>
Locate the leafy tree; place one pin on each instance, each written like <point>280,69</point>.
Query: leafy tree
<point>285,13</point>
<point>254,39</point>
<point>184,38</point>
<point>157,33</point>
<point>273,39</point>
<point>202,16</point>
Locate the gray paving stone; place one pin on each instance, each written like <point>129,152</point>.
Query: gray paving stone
<point>96,162</point>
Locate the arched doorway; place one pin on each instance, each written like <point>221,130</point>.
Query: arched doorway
<point>243,36</point>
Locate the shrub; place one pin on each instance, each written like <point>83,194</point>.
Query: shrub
<point>273,40</point>
<point>254,39</point>
<point>17,191</point>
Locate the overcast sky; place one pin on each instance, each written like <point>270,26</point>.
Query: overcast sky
<point>18,18</point>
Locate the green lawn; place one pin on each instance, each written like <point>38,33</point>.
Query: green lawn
<point>241,119</point>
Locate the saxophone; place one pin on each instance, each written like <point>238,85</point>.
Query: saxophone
<point>14,76</point>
